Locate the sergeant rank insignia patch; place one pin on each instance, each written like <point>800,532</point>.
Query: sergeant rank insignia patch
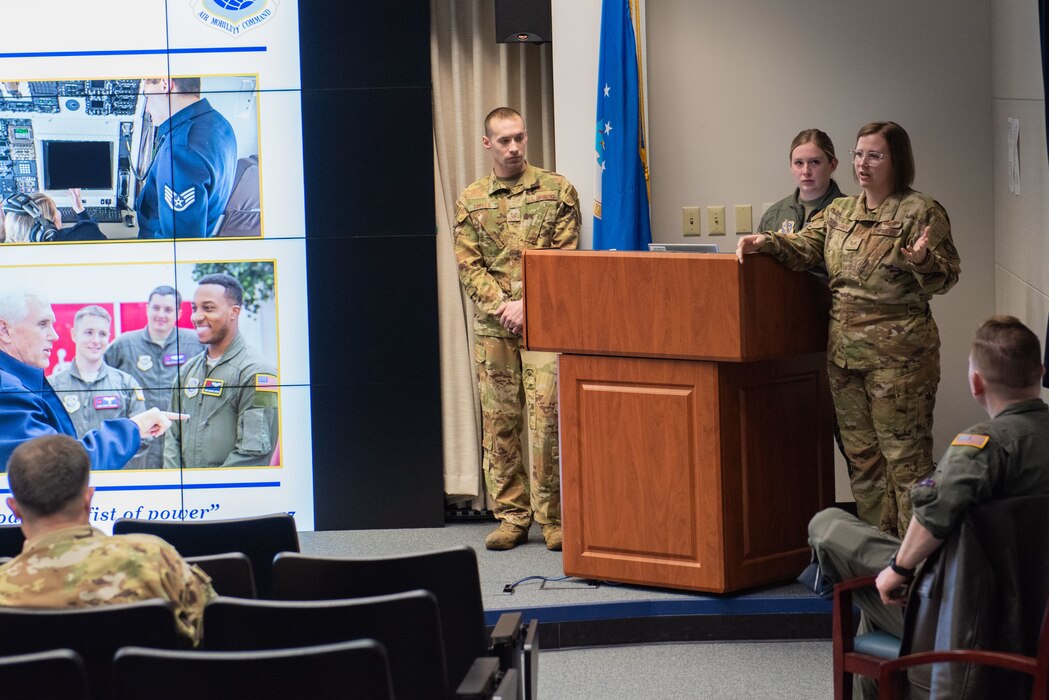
<point>971,440</point>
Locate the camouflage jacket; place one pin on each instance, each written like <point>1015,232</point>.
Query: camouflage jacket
<point>494,223</point>
<point>880,302</point>
<point>80,566</point>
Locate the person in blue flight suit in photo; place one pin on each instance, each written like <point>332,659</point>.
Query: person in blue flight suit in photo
<point>194,163</point>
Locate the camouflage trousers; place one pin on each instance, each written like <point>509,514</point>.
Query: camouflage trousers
<point>509,380</point>
<point>847,548</point>
<point>885,417</point>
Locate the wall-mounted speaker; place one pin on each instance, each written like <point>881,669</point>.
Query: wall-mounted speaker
<point>522,21</point>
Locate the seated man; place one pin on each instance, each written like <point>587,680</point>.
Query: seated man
<point>1005,456</point>
<point>68,564</point>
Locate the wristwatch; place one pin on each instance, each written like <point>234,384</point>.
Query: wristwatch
<point>902,571</point>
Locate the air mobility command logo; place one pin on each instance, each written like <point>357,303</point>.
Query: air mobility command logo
<point>145,363</point>
<point>71,402</point>
<point>192,387</point>
<point>234,16</point>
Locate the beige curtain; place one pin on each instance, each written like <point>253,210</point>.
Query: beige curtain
<point>471,76</point>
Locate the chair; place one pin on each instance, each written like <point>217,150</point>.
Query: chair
<point>450,574</point>
<point>57,675</point>
<point>406,624</point>
<point>259,538</point>
<point>230,574</point>
<point>355,669</point>
<point>94,633</point>
<point>485,681</point>
<point>980,590</point>
<point>893,679</point>
<point>11,540</point>
<point>243,213</point>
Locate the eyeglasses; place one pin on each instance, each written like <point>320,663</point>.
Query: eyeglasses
<point>872,157</point>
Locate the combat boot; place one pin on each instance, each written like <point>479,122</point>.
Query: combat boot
<point>507,536</point>
<point>552,535</point>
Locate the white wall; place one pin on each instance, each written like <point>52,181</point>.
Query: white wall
<point>729,84</point>
<point>1021,222</point>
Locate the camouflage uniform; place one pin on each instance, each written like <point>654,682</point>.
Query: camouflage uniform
<point>232,409</point>
<point>79,566</point>
<point>154,366</point>
<point>494,222</point>
<point>1014,461</point>
<point>111,394</point>
<point>883,345</point>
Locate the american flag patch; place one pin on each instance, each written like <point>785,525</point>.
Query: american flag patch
<point>971,440</point>
<point>212,387</point>
<point>266,382</point>
<point>104,403</point>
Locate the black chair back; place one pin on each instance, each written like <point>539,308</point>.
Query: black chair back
<point>356,669</point>
<point>406,624</point>
<point>94,633</point>
<point>57,675</point>
<point>450,574</point>
<point>231,574</point>
<point>11,540</point>
<point>259,538</point>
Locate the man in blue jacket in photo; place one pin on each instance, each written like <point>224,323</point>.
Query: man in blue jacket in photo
<point>29,407</point>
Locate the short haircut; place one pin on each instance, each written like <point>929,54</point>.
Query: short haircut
<point>188,86</point>
<point>1007,354</point>
<point>234,292</point>
<point>92,310</point>
<point>901,157</point>
<point>18,224</point>
<point>14,304</point>
<point>48,474</point>
<point>814,136</point>
<point>164,291</point>
<point>500,113</point>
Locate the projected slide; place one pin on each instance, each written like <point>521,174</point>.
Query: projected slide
<point>151,178</point>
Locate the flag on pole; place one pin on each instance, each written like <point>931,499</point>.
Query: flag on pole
<point>621,169</point>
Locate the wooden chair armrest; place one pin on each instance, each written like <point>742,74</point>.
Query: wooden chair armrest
<point>843,621</point>
<point>894,673</point>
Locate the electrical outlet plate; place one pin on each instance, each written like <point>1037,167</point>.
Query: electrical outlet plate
<point>744,220</point>
<point>716,221</point>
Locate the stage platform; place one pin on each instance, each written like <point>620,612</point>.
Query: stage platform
<point>577,613</point>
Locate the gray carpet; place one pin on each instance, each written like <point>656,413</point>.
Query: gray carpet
<point>707,670</point>
<point>498,569</point>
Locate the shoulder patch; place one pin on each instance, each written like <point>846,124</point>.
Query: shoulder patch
<point>266,382</point>
<point>971,440</point>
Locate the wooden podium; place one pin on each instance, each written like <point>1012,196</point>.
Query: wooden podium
<point>696,437</point>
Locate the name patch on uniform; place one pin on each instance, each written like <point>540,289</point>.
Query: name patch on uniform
<point>212,387</point>
<point>145,363</point>
<point>71,402</point>
<point>107,403</point>
<point>266,382</point>
<point>971,440</point>
<point>175,358</point>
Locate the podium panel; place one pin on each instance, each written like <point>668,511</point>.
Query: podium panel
<point>689,474</point>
